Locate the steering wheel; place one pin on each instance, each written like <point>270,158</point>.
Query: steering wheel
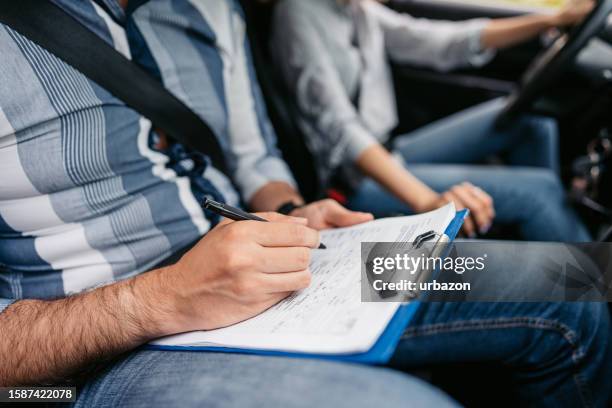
<point>549,65</point>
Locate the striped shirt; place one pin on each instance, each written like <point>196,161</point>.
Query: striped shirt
<point>85,198</point>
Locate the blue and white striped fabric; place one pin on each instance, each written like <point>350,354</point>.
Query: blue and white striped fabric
<point>84,198</point>
<point>200,50</point>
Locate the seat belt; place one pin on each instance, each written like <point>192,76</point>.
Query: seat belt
<point>49,26</point>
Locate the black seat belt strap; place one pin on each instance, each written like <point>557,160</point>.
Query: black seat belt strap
<point>49,26</point>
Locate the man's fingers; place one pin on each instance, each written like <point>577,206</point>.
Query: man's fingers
<point>277,217</point>
<point>272,299</point>
<point>272,217</point>
<point>286,282</point>
<point>281,234</point>
<point>280,260</point>
<point>224,221</point>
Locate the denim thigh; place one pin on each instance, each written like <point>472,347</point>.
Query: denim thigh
<point>531,198</point>
<point>471,136</point>
<point>150,378</point>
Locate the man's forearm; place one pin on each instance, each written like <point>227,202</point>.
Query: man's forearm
<point>52,341</point>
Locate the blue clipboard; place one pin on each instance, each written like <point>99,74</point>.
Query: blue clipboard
<point>380,353</point>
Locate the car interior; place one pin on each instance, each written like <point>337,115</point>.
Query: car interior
<point>565,75</point>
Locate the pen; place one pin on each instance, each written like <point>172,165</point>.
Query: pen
<point>233,213</point>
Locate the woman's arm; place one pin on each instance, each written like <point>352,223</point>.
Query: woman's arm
<point>446,45</point>
<point>506,32</point>
<point>310,75</point>
<point>377,163</point>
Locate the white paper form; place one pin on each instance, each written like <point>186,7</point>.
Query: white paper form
<point>328,317</point>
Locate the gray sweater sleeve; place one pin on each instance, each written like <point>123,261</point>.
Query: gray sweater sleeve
<point>442,45</point>
<point>307,69</point>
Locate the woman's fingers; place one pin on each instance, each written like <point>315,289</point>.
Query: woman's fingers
<point>479,203</point>
<point>339,216</point>
<point>486,198</point>
<point>468,224</point>
<point>476,214</point>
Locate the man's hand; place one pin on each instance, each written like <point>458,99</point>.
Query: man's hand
<point>329,214</point>
<point>480,204</point>
<point>573,12</point>
<point>237,271</point>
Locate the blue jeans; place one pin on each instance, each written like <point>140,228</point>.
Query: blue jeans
<point>152,379</point>
<point>560,353</point>
<point>529,195</point>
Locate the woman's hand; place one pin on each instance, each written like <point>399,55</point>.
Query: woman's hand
<point>329,214</point>
<point>480,204</point>
<point>506,32</point>
<point>573,12</point>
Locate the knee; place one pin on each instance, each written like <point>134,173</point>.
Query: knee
<point>362,386</point>
<point>386,387</point>
<point>544,129</point>
<point>541,187</point>
<point>267,381</point>
<point>583,331</point>
<point>549,182</point>
<point>593,332</point>
<point>355,386</point>
<point>592,357</point>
